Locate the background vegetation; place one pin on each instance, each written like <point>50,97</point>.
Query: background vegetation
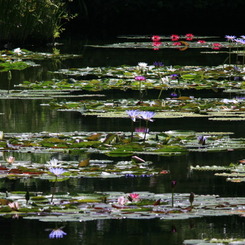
<point>31,20</point>
<point>115,17</point>
<point>42,20</point>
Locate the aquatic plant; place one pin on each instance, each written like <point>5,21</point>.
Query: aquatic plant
<point>173,185</point>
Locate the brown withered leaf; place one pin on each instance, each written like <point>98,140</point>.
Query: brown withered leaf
<point>84,163</point>
<point>4,201</point>
<point>94,137</point>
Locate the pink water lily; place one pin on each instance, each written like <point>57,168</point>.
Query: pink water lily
<point>10,159</point>
<point>139,78</point>
<point>156,38</point>
<point>122,200</point>
<point>134,195</point>
<point>189,37</point>
<point>175,37</point>
<point>14,205</point>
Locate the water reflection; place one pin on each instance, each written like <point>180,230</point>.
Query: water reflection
<point>121,232</point>
<point>23,115</point>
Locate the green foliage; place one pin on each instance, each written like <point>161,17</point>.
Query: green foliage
<point>31,19</point>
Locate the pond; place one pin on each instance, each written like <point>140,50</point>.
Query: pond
<point>31,121</point>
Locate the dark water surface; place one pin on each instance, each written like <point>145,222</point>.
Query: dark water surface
<point>23,115</point>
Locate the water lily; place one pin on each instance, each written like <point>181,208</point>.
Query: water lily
<point>10,159</point>
<point>202,139</point>
<point>175,37</point>
<point>142,66</point>
<point>140,78</point>
<point>230,38</point>
<point>240,40</point>
<point>17,51</point>
<point>158,64</point>
<point>14,205</point>
<point>57,233</point>
<point>53,163</point>
<point>122,200</point>
<point>133,114</point>
<point>133,197</point>
<point>173,94</point>
<point>189,37</point>
<point>156,38</point>
<point>147,115</point>
<point>57,171</point>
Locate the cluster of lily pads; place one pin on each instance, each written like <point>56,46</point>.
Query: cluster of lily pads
<point>235,172</point>
<point>142,78</point>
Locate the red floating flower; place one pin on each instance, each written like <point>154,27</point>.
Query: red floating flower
<point>156,38</point>
<point>174,37</point>
<point>189,37</point>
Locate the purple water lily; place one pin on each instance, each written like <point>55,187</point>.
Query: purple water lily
<point>240,40</point>
<point>133,114</point>
<point>140,78</point>
<point>147,115</point>
<point>173,94</point>
<point>158,63</point>
<point>230,37</point>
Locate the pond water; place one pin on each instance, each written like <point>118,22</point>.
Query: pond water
<point>27,115</point>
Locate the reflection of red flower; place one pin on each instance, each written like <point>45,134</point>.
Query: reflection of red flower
<point>189,36</point>
<point>201,41</point>
<point>177,44</point>
<point>156,45</point>
<point>164,172</point>
<point>216,46</point>
<point>156,38</point>
<point>174,37</point>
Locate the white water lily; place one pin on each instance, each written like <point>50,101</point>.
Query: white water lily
<point>17,51</point>
<point>53,163</point>
<point>142,66</point>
